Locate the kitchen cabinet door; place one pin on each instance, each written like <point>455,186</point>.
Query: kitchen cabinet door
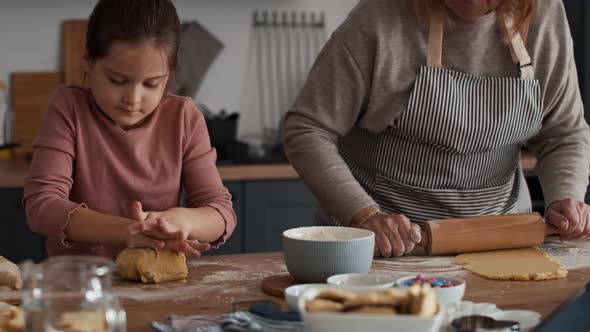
<point>235,243</point>
<point>273,207</point>
<point>17,242</point>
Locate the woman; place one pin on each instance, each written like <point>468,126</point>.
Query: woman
<point>395,127</point>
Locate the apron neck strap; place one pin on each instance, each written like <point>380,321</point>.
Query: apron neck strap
<point>435,39</point>
<point>520,55</point>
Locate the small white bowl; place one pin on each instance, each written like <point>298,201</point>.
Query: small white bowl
<point>362,281</point>
<point>293,293</point>
<point>447,295</point>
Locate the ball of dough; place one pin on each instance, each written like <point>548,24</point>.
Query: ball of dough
<point>151,265</point>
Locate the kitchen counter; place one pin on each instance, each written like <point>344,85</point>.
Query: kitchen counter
<point>13,172</point>
<point>215,283</point>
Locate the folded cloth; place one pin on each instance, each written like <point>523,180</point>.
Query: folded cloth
<point>260,318</point>
<point>197,50</point>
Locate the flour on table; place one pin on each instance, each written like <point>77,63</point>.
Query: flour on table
<point>413,265</point>
<point>231,279</point>
<point>572,255</point>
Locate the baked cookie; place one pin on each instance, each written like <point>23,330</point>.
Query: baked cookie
<point>323,305</point>
<point>336,295</point>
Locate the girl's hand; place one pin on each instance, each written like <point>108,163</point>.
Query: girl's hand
<point>160,235</point>
<point>571,217</point>
<point>161,225</point>
<point>395,235</point>
<point>190,248</point>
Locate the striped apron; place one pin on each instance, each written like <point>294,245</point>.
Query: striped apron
<point>454,151</point>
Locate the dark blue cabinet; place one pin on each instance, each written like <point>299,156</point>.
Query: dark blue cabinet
<point>273,207</point>
<point>17,242</point>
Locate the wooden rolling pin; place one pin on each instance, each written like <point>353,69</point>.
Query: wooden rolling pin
<point>453,236</point>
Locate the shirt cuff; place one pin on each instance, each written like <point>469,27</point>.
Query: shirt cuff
<point>62,234</point>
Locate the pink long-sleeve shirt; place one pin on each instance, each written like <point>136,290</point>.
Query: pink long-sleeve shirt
<point>81,157</point>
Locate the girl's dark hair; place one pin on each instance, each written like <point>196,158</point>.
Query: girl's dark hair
<point>133,21</point>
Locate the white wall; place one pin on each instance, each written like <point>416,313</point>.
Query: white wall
<point>30,34</point>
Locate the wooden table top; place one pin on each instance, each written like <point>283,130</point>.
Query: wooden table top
<point>216,282</point>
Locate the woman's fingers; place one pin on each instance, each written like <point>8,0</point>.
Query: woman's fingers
<point>583,226</point>
<point>383,243</point>
<point>395,235</point>
<point>405,230</point>
<point>558,220</point>
<point>390,228</point>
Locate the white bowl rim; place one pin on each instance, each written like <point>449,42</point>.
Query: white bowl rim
<point>332,280</point>
<point>289,290</point>
<point>364,233</point>
<point>457,282</point>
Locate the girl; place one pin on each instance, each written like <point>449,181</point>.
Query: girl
<point>418,110</point>
<point>110,152</point>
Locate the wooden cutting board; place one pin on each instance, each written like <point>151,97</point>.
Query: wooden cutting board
<point>74,46</point>
<point>275,285</point>
<point>30,93</point>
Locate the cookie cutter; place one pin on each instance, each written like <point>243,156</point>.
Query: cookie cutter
<point>478,323</point>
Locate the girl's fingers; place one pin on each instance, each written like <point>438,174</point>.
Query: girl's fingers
<point>170,230</point>
<point>145,242</point>
<point>198,246</point>
<point>183,247</point>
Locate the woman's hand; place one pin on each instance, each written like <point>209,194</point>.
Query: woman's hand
<point>395,235</point>
<point>571,217</point>
<point>152,230</point>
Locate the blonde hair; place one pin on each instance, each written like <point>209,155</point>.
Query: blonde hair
<point>521,12</point>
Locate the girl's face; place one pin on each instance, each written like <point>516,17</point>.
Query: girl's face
<point>472,9</point>
<point>129,82</point>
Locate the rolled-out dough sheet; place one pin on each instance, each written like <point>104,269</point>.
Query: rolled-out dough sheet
<point>513,264</point>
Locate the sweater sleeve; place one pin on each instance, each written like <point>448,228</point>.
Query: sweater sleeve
<point>329,105</point>
<point>200,177</point>
<point>47,188</point>
<point>563,144</point>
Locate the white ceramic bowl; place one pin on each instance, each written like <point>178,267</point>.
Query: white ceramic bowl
<point>362,280</point>
<point>342,322</point>
<point>446,296</point>
<point>293,293</point>
<point>312,254</point>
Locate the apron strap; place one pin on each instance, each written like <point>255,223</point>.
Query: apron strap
<point>519,53</point>
<point>518,50</point>
<point>435,39</point>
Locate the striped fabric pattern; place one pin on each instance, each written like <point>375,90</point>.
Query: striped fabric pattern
<point>454,152</point>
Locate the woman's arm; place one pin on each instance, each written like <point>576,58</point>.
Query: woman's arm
<point>329,105</point>
<point>563,144</point>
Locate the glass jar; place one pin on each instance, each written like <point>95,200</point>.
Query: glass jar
<point>71,293</point>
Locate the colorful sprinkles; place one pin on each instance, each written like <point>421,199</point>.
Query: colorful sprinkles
<point>433,282</point>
